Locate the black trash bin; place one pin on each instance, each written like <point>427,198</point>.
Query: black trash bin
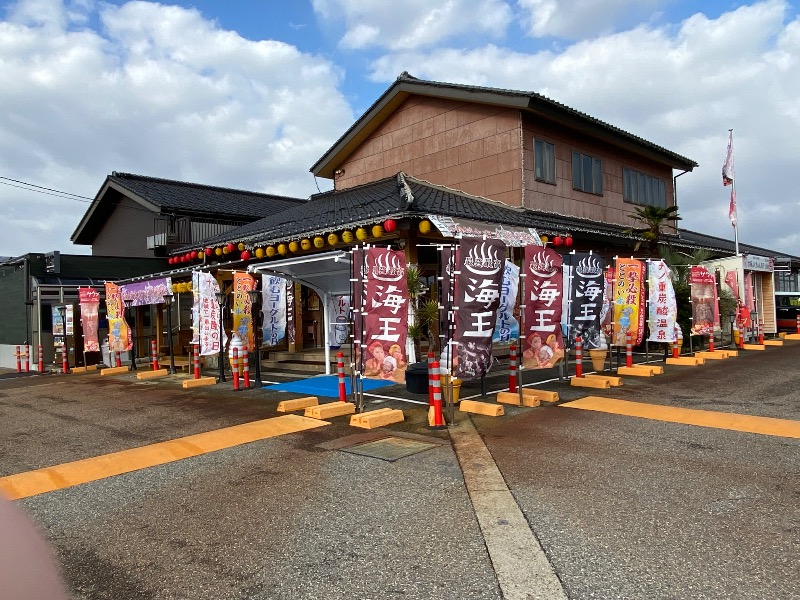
<point>417,378</point>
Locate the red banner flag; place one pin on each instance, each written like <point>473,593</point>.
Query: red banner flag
<point>543,344</point>
<point>386,319</point>
<point>479,278</point>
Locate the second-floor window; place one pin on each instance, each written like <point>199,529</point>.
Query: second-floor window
<point>587,173</point>
<point>544,158</point>
<point>646,190</point>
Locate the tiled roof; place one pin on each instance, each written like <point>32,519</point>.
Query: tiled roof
<point>526,101</point>
<point>701,240</point>
<point>386,198</point>
<point>196,198</point>
<point>373,202</point>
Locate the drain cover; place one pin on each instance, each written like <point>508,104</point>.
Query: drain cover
<point>389,448</point>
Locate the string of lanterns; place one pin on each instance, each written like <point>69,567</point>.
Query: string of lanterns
<point>558,240</point>
<point>348,236</point>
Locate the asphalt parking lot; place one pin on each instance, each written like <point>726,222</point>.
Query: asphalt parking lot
<point>623,507</point>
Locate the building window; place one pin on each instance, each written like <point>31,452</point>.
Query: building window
<point>587,173</point>
<point>642,189</point>
<point>544,157</point>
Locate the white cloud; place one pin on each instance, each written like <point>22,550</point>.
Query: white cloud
<point>161,92</point>
<point>681,87</point>
<point>409,24</point>
<point>575,19</point>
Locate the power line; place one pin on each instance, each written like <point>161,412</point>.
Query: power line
<point>39,187</point>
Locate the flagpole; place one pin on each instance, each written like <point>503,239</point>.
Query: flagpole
<point>735,225</point>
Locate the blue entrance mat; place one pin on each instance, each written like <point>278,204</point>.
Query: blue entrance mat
<point>324,385</point>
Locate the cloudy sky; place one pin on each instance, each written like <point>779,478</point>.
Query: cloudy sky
<point>250,93</point>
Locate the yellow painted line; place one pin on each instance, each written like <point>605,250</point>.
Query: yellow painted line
<point>49,479</point>
<point>690,416</point>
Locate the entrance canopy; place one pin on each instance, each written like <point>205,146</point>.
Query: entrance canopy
<point>327,274</point>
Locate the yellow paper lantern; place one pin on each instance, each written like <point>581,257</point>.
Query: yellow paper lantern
<point>282,249</point>
<point>333,239</point>
<point>319,242</point>
<point>188,286</point>
<point>361,234</point>
<point>259,253</point>
<point>225,250</point>
<point>377,231</point>
<point>347,236</point>
<point>200,255</point>
<point>270,251</point>
<point>218,251</point>
<point>294,246</point>
<point>175,288</point>
<point>424,226</point>
<point>240,246</point>
<point>544,239</point>
<point>305,244</point>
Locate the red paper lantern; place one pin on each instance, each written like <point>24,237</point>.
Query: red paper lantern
<point>169,260</point>
<point>568,241</point>
<point>389,225</point>
<point>245,254</point>
<point>208,251</point>
<point>230,247</point>
<point>558,240</point>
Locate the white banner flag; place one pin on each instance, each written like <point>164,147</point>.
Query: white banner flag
<point>273,309</point>
<point>663,307</point>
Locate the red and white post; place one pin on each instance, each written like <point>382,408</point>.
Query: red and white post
<point>118,358</point>
<point>438,419</point>
<point>64,361</point>
<point>19,359</point>
<point>154,354</point>
<point>798,323</point>
<point>578,356</point>
<point>246,369</point>
<point>675,350</point>
<point>41,359</point>
<point>340,374</point>
<point>761,332</point>
<point>235,368</point>
<point>431,357</point>
<point>27,358</point>
<point>196,360</point>
<point>628,349</point>
<point>512,368</point>
<point>711,343</point>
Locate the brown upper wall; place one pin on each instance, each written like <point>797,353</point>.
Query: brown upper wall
<point>561,198</point>
<point>474,148</point>
<point>487,150</point>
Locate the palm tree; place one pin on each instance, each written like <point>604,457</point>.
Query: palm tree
<point>653,218</point>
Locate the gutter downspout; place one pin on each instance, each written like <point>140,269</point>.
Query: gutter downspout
<point>675,190</point>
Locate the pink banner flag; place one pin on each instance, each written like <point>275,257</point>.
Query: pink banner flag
<point>732,281</point>
<point>90,303</point>
<point>386,321</point>
<point>727,166</point>
<point>543,344</point>
<point>704,297</point>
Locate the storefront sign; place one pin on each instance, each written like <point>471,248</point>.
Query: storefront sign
<point>758,263</point>
<point>89,303</point>
<point>144,293</point>
<point>510,235</point>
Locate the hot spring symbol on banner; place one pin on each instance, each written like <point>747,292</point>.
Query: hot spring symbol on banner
<point>385,324</point>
